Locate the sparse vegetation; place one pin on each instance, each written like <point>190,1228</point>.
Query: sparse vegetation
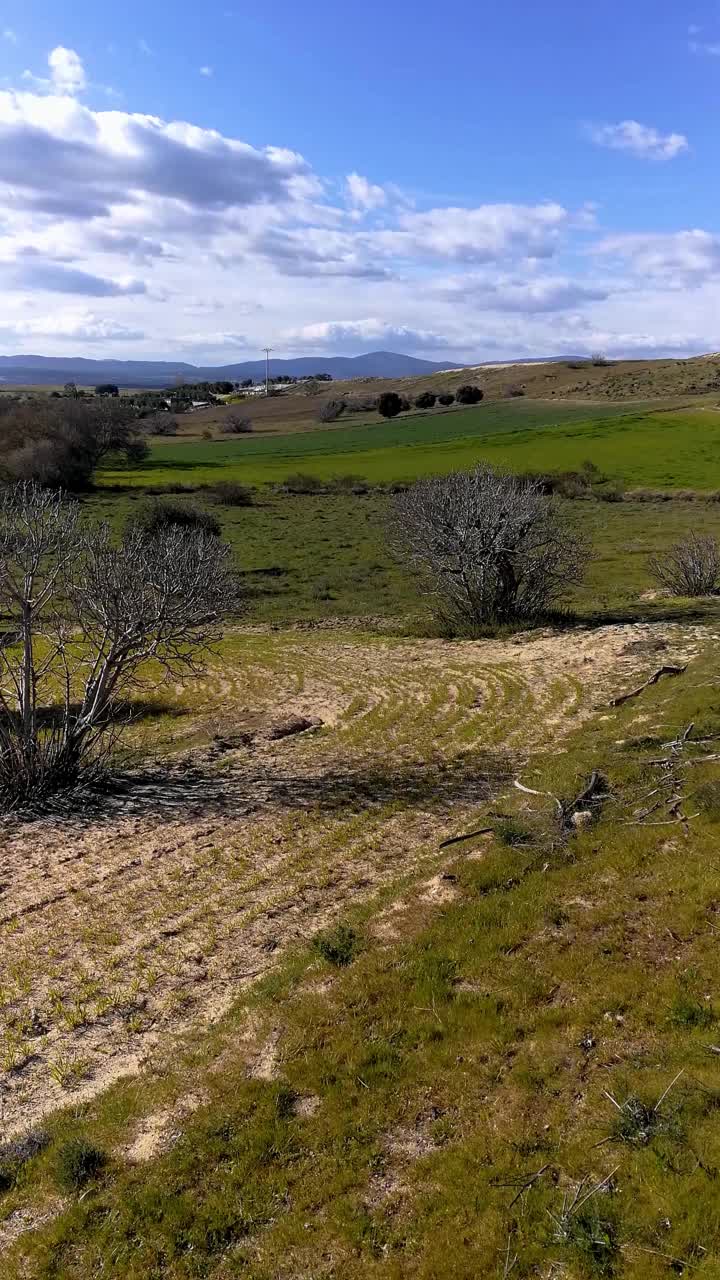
<point>83,615</point>
<point>493,548</point>
<point>236,424</point>
<point>689,568</point>
<point>441,904</point>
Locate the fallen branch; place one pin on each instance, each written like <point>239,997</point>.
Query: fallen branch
<point>482,831</point>
<point>668,670</point>
<point>528,791</point>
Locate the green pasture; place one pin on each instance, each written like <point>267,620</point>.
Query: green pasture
<point>663,448</point>
<point>323,556</point>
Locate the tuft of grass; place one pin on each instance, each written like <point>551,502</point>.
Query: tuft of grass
<point>77,1162</point>
<point>514,833</point>
<point>14,1155</point>
<point>338,946</point>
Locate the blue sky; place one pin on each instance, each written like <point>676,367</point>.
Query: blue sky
<point>472,180</point>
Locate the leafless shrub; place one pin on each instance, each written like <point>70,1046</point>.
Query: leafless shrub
<point>235,424</point>
<point>83,615</point>
<point>331,410</point>
<point>493,547</point>
<point>689,568</point>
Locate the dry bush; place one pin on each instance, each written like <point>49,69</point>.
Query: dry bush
<point>331,410</point>
<point>235,424</point>
<point>83,615</point>
<point>690,567</point>
<point>493,548</point>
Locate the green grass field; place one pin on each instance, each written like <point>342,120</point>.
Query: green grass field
<point>676,448</point>
<point>315,557</point>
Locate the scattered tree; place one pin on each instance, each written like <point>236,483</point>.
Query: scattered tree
<point>492,547</point>
<point>59,443</point>
<point>469,394</point>
<point>446,398</point>
<point>690,567</point>
<point>425,400</point>
<point>83,614</point>
<point>70,389</point>
<point>235,424</point>
<point>107,389</point>
<point>389,404</point>
<point>331,410</point>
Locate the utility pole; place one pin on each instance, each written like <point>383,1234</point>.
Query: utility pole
<point>267,351</point>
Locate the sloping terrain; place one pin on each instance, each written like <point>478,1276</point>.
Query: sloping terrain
<point>117,930</point>
<point>426,1095</point>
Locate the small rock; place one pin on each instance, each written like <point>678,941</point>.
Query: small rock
<point>582,818</point>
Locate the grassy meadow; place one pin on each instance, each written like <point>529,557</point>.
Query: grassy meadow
<point>486,1084</point>
<point>663,448</point>
<point>398,997</point>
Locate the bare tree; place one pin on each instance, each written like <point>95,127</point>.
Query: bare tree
<point>83,616</point>
<point>492,547</point>
<point>235,424</point>
<point>690,567</point>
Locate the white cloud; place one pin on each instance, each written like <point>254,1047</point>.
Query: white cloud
<point>639,139</point>
<point>207,71</point>
<point>485,234</point>
<point>533,296</point>
<point>10,35</point>
<point>83,326</point>
<point>207,244</point>
<point>364,195</point>
<point>66,70</point>
<point>680,259</point>
<point>347,335</point>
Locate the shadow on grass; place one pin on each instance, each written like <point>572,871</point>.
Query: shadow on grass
<point>199,790</point>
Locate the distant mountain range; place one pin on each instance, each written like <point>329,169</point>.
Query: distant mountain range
<point>28,369</point>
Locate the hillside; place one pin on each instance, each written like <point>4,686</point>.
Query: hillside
<point>24,370</point>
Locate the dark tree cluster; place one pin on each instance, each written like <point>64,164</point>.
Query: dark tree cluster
<point>58,443</point>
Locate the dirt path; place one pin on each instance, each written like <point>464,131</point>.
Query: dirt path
<point>117,932</point>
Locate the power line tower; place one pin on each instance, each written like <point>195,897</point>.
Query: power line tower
<point>267,351</point>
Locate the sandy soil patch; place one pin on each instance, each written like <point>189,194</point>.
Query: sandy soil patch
<point>120,930</point>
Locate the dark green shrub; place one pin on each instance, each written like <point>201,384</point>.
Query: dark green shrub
<point>300,482</point>
<point>425,400</point>
<point>469,394</point>
<point>158,517</point>
<point>446,398</point>
<point>338,945</point>
<point>389,404</point>
<point>77,1162</point>
<point>231,494</point>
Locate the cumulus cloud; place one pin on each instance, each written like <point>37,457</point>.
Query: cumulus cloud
<point>52,277</point>
<point>639,139</point>
<point>679,258</point>
<point>315,251</point>
<point>345,335</point>
<point>55,151</point>
<point>84,326</point>
<point>483,234</point>
<point>532,296</point>
<point>66,70</point>
<point>364,195</point>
